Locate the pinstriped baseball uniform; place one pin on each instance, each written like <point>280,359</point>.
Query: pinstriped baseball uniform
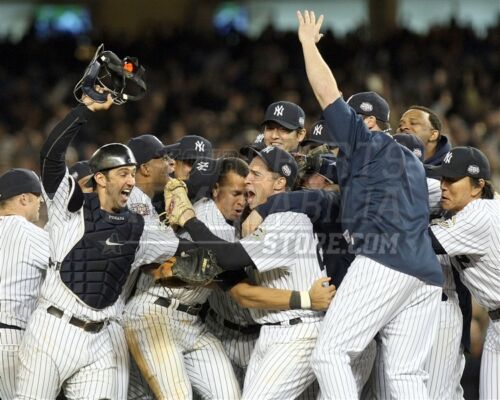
<point>283,250</point>
<point>446,360</point>
<point>471,238</point>
<point>48,357</point>
<point>173,348</point>
<point>434,189</point>
<point>24,255</point>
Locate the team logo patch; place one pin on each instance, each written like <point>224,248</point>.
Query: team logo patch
<point>259,233</point>
<point>287,171</point>
<point>301,120</point>
<point>268,149</point>
<point>259,138</point>
<point>140,208</point>
<point>417,152</point>
<point>473,169</point>
<point>448,223</point>
<point>366,107</point>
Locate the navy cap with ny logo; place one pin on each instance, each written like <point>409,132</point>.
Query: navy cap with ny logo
<point>287,114</point>
<point>463,161</point>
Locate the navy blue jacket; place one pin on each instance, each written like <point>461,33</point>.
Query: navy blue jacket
<point>443,147</point>
<point>384,197</point>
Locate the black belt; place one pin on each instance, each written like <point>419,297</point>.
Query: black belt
<point>494,315</point>
<point>246,329</point>
<point>293,321</point>
<point>93,327</point>
<point>5,326</point>
<point>191,310</point>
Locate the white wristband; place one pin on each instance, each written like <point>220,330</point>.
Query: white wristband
<point>305,300</point>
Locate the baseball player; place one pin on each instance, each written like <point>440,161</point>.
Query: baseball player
<point>425,123</point>
<point>284,252</point>
<point>94,243</point>
<point>388,231</point>
<point>166,336</point>
<point>470,239</point>
<point>446,360</point>
<point>186,151</point>
<point>24,255</point>
<point>283,125</point>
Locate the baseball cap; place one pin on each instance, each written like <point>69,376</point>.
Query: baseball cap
<point>258,144</point>
<point>328,168</point>
<point>80,170</point>
<point>412,143</point>
<point>279,161</point>
<point>202,178</point>
<point>285,113</point>
<point>190,147</point>
<point>370,103</point>
<point>146,147</point>
<point>17,181</point>
<point>318,134</point>
<point>462,161</point>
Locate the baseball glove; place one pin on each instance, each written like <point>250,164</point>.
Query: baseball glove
<point>196,267</point>
<point>176,201</point>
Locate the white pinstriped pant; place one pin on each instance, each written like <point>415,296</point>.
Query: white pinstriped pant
<point>445,363</point>
<point>280,366</point>
<point>10,340</point>
<point>375,299</point>
<point>54,353</point>
<point>174,351</point>
<point>489,386</point>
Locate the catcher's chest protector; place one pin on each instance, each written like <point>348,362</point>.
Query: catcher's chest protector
<point>97,267</point>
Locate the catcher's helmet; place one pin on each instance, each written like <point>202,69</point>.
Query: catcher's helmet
<point>110,156</point>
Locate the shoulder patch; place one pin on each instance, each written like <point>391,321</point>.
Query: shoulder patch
<point>140,208</point>
<point>258,234</point>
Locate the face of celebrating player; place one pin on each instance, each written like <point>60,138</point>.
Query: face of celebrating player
<point>279,136</point>
<point>457,193</point>
<point>262,183</point>
<point>114,187</point>
<point>160,171</point>
<point>33,207</point>
<point>229,196</point>
<point>417,122</point>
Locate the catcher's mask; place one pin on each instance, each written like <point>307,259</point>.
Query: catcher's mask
<point>108,157</point>
<point>123,79</point>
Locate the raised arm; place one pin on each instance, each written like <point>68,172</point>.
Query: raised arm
<point>319,74</point>
<point>53,153</point>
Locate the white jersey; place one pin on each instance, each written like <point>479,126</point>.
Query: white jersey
<point>24,256</point>
<point>434,189</point>
<point>67,228</point>
<point>284,251</point>
<point>472,239</point>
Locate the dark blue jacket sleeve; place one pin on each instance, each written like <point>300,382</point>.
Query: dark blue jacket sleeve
<point>345,128</point>
<point>52,155</point>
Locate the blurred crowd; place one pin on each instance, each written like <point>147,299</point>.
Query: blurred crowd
<point>219,86</point>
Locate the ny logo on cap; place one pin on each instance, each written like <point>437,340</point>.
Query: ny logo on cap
<point>278,110</point>
<point>259,138</point>
<point>447,158</point>
<point>199,146</point>
<point>202,166</point>
<point>268,149</point>
<point>317,130</point>
<point>417,152</point>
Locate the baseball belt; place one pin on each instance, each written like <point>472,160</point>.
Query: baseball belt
<point>6,326</point>
<point>189,309</point>
<point>87,326</point>
<point>494,315</point>
<point>245,329</point>
<point>290,322</point>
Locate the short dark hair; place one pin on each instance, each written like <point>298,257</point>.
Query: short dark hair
<point>232,164</point>
<point>383,125</point>
<point>488,191</point>
<point>433,117</point>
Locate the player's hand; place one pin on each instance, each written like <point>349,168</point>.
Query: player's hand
<point>321,294</point>
<point>93,105</point>
<point>251,223</point>
<point>308,27</point>
<point>163,271</point>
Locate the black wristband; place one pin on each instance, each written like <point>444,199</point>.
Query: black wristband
<point>295,300</point>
